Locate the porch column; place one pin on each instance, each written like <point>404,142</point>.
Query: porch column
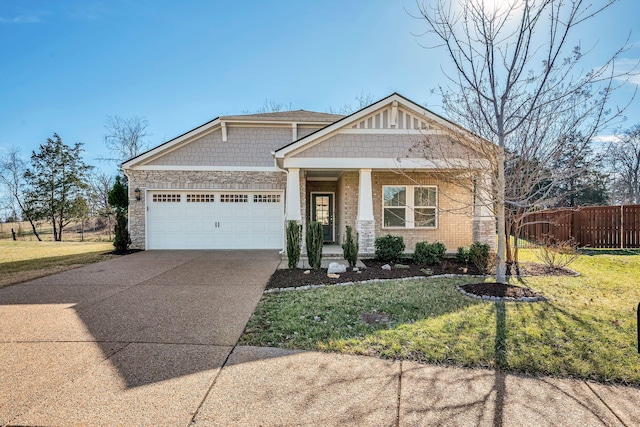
<point>365,222</point>
<point>484,221</point>
<point>293,195</point>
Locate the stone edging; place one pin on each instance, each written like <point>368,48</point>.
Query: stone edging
<point>505,299</point>
<point>307,287</point>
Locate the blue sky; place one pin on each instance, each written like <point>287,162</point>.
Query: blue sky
<point>68,65</point>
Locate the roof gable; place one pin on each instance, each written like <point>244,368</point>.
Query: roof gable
<point>285,118</point>
<point>393,114</point>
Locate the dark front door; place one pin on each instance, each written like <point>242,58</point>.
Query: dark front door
<point>322,211</point>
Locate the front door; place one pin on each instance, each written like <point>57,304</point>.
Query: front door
<point>322,212</point>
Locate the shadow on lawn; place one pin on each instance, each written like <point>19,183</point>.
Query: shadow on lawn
<point>42,263</point>
<point>592,252</point>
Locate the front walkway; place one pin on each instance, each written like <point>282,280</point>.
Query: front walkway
<point>150,339</point>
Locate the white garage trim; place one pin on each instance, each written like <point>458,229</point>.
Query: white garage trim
<point>214,219</point>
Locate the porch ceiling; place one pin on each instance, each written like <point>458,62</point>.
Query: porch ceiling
<point>323,174</point>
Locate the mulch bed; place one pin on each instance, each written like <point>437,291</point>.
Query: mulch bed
<point>127,252</point>
<point>296,277</point>
<point>499,290</point>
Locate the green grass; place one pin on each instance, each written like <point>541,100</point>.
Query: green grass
<point>587,329</point>
<point>26,260</point>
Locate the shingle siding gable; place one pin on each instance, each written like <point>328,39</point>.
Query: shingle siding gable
<point>245,146</point>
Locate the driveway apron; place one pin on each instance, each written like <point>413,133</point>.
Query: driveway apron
<point>136,340</point>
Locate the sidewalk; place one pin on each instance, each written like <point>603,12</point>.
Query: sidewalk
<point>264,386</point>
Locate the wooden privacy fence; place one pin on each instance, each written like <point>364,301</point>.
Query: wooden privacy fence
<point>594,226</point>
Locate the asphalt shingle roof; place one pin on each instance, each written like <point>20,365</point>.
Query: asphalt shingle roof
<point>289,116</point>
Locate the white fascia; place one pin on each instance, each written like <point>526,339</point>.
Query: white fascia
<point>206,168</point>
<point>381,163</point>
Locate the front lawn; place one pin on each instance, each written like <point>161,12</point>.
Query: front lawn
<point>587,329</point>
<point>25,260</point>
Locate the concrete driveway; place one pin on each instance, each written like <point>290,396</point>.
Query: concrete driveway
<point>136,340</point>
<point>149,340</point>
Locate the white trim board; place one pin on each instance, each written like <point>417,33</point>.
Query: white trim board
<point>330,163</point>
<point>206,168</point>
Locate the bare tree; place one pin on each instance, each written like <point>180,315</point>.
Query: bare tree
<point>362,100</point>
<point>100,185</point>
<point>517,83</point>
<point>12,172</point>
<point>624,160</point>
<point>270,106</point>
<point>125,138</point>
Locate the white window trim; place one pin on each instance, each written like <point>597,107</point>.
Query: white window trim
<point>409,207</point>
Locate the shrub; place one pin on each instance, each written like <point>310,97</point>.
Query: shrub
<point>294,241</point>
<point>389,248</point>
<point>462,255</point>
<point>121,237</point>
<point>480,257</point>
<point>350,247</point>
<point>429,253</point>
<point>314,244</point>
<point>118,198</point>
<point>557,255</point>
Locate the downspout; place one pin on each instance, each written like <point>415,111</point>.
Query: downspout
<point>124,171</point>
<point>275,163</point>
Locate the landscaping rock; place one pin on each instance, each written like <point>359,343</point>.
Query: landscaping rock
<point>307,272</point>
<point>333,276</point>
<point>386,267</point>
<point>336,267</point>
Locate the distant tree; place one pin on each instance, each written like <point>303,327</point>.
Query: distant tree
<point>580,181</point>
<point>56,179</point>
<point>12,172</point>
<point>81,211</point>
<point>270,106</point>
<point>119,201</point>
<point>362,100</point>
<point>125,138</point>
<point>624,162</point>
<point>100,184</point>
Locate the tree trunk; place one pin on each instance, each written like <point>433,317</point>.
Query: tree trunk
<point>500,255</point>
<point>35,232</point>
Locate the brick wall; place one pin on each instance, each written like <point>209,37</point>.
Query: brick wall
<point>454,211</point>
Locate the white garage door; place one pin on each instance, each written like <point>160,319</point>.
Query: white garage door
<point>215,220</point>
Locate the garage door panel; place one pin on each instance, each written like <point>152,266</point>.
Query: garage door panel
<point>215,220</point>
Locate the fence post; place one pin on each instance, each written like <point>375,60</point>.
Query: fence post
<point>621,226</point>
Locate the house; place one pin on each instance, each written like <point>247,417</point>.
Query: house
<point>233,182</point>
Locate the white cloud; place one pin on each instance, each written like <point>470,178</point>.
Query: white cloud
<point>21,19</point>
<point>605,138</point>
<point>630,66</point>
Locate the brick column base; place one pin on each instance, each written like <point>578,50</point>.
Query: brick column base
<point>484,231</point>
<point>366,236</point>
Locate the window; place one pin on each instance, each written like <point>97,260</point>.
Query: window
<point>266,198</point>
<point>234,198</point>
<point>200,198</point>
<point>409,206</point>
<point>166,198</point>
